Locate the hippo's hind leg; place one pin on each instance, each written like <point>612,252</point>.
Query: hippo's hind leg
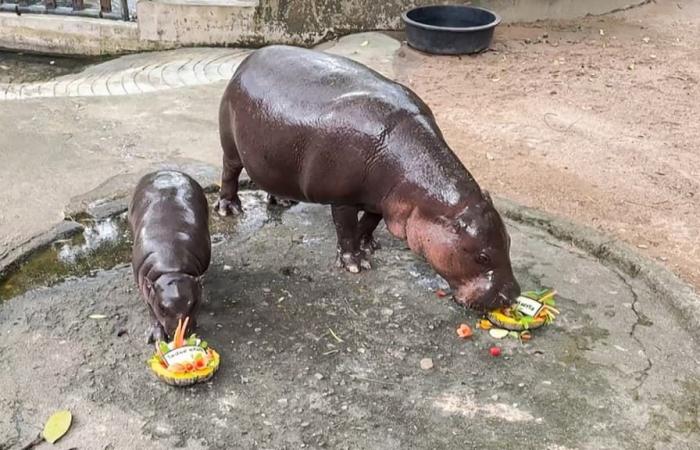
<point>365,228</point>
<point>350,255</point>
<point>229,203</point>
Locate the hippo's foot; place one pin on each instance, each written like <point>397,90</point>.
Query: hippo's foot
<point>369,244</point>
<point>156,333</point>
<point>283,202</point>
<point>228,207</point>
<point>353,262</point>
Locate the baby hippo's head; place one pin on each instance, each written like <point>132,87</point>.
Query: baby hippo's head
<point>472,252</point>
<point>173,297</point>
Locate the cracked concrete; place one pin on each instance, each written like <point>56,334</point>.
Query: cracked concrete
<point>641,320</point>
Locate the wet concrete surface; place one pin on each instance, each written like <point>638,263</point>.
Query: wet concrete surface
<point>616,370</point>
<point>19,67</point>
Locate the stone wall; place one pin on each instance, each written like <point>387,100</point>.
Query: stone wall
<point>173,23</point>
<point>308,22</point>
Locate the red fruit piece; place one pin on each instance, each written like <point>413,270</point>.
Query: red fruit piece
<point>495,351</point>
<point>440,293</point>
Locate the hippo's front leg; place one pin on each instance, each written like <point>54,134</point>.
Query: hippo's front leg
<point>156,332</point>
<point>350,255</point>
<point>365,228</point>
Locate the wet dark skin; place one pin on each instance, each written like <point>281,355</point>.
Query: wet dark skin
<point>313,127</point>
<point>169,220</point>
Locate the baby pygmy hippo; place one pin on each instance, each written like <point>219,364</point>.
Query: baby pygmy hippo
<point>169,220</point>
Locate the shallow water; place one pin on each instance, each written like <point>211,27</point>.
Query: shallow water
<point>107,243</point>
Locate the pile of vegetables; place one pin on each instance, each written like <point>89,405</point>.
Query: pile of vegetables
<point>514,318</point>
<point>546,313</point>
<point>184,361</point>
<point>200,359</point>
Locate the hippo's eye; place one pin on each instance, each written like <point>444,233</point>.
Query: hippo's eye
<point>483,259</point>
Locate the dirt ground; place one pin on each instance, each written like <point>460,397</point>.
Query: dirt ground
<point>596,120</point>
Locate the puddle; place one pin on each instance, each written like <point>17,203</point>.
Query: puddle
<point>106,244</point>
<point>28,67</point>
<point>102,245</point>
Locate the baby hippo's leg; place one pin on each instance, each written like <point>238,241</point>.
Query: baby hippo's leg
<point>368,223</point>
<point>349,254</point>
<point>156,332</point>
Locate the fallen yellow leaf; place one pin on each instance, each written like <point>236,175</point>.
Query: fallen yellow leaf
<point>57,426</point>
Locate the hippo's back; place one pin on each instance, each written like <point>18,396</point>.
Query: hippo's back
<point>316,127</point>
<point>169,219</point>
<point>301,83</point>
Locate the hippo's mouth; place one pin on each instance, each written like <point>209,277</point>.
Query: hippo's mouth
<point>500,300</point>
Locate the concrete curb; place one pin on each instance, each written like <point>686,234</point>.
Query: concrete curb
<point>610,251</point>
<point>680,295</point>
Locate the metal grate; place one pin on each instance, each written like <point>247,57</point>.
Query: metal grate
<point>105,9</point>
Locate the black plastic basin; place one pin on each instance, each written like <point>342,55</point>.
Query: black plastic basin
<point>450,29</point>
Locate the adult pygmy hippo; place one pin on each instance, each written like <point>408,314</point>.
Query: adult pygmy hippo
<point>169,220</point>
<point>319,128</point>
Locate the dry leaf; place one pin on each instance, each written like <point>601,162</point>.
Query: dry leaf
<point>364,44</point>
<point>57,426</point>
<point>97,316</point>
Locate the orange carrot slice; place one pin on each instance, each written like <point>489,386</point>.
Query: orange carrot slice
<point>184,330</point>
<point>177,333</point>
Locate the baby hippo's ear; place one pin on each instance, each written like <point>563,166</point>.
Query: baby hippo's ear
<point>147,288</point>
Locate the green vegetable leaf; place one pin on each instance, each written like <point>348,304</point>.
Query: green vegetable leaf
<point>163,347</point>
<point>203,344</point>
<point>57,426</point>
<point>192,340</point>
<point>549,301</point>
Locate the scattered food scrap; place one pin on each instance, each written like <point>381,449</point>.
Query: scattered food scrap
<point>498,333</point>
<point>426,363</point>
<point>464,331</point>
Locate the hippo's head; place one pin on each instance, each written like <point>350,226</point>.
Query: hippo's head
<point>472,252</point>
<point>172,297</point>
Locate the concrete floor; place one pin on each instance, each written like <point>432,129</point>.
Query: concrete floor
<point>615,371</point>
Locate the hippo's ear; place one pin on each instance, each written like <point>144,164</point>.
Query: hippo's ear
<point>147,288</point>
